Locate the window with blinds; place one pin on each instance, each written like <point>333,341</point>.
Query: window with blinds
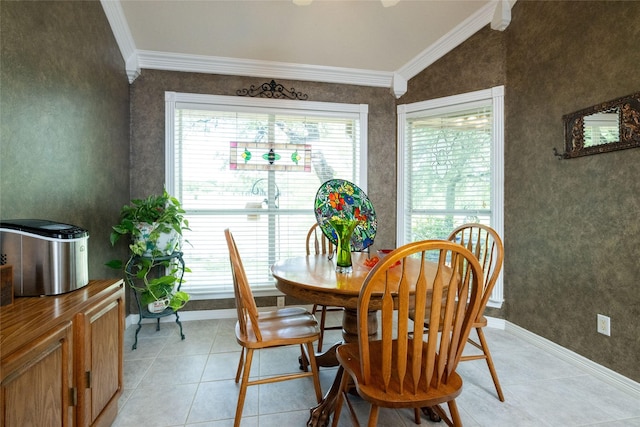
<point>450,162</point>
<point>254,166</point>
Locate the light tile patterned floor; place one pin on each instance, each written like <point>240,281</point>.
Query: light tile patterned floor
<point>169,382</point>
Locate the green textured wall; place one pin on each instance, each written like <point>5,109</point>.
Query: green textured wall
<point>64,119</point>
<point>571,226</point>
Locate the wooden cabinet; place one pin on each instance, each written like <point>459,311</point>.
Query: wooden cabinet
<point>98,342</point>
<point>61,358</point>
<point>36,381</point>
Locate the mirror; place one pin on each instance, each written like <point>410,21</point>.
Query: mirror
<point>610,126</point>
<point>602,128</point>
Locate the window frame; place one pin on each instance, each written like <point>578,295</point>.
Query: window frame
<point>493,95</point>
<point>256,105</point>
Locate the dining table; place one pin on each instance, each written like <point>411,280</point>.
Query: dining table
<point>314,279</point>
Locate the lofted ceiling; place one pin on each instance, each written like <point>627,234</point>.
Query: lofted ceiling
<point>356,41</point>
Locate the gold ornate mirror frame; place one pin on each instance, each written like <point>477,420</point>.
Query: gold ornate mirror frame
<point>605,127</point>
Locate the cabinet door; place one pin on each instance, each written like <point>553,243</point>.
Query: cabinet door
<point>37,382</point>
<point>100,329</point>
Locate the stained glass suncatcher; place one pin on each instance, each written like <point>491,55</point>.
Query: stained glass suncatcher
<point>266,156</point>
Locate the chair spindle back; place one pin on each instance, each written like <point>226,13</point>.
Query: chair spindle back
<point>317,242</point>
<point>485,243</point>
<point>417,359</point>
<point>245,303</point>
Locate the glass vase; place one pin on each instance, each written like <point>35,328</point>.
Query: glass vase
<point>344,229</point>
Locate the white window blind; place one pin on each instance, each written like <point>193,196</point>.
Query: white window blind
<point>450,166</point>
<point>254,166</point>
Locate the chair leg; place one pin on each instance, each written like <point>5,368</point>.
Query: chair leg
<point>303,359</point>
<point>314,370</point>
<point>340,398</point>
<point>240,362</point>
<point>323,318</point>
<point>492,369</point>
<point>416,416</point>
<point>455,415</point>
<point>442,415</point>
<point>373,416</point>
<point>243,387</point>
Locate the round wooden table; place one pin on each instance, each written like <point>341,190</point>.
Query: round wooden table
<point>314,279</point>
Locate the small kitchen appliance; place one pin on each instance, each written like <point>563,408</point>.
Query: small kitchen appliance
<point>47,257</point>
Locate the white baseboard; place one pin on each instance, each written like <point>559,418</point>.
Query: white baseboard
<point>605,374</point>
<point>229,313</point>
<point>495,323</point>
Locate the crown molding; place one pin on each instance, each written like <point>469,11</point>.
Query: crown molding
<point>396,81</point>
<point>246,67</point>
<point>502,15</point>
<point>120,28</point>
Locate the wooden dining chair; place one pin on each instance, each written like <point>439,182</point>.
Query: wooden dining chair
<point>319,244</point>
<point>486,245</point>
<point>263,330</point>
<point>407,366</point>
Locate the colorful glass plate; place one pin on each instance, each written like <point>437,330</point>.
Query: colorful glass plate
<point>343,199</point>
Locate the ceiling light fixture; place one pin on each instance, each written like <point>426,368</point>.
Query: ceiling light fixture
<point>385,3</point>
<point>389,3</point>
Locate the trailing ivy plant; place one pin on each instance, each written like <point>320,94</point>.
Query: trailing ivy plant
<point>163,211</point>
<point>157,288</point>
<point>144,221</point>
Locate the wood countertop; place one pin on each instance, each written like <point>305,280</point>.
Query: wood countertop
<point>28,317</point>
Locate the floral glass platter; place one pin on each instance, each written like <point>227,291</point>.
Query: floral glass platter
<point>338,199</point>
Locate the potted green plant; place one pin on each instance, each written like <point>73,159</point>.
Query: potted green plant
<point>154,226</point>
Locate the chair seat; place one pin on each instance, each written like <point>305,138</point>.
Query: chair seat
<point>480,322</point>
<point>286,326</point>
<point>349,357</point>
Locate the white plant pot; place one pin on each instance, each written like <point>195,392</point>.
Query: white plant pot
<point>166,243</point>
<point>158,306</point>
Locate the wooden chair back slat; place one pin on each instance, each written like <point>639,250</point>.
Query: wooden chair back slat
<point>411,360</point>
<point>387,319</point>
<point>245,302</point>
<point>458,321</point>
<point>403,328</point>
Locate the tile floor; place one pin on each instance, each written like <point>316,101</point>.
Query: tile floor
<point>169,382</point>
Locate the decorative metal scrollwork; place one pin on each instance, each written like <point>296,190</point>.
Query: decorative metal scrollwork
<point>272,90</point>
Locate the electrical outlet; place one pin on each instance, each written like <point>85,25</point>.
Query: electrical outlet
<point>280,301</point>
<point>604,325</point>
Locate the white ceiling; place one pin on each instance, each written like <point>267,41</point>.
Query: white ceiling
<point>358,39</point>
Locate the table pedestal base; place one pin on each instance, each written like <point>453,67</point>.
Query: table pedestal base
<point>433,416</point>
<point>320,414</point>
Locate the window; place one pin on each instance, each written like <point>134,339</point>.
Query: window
<point>450,167</point>
<point>254,165</point>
